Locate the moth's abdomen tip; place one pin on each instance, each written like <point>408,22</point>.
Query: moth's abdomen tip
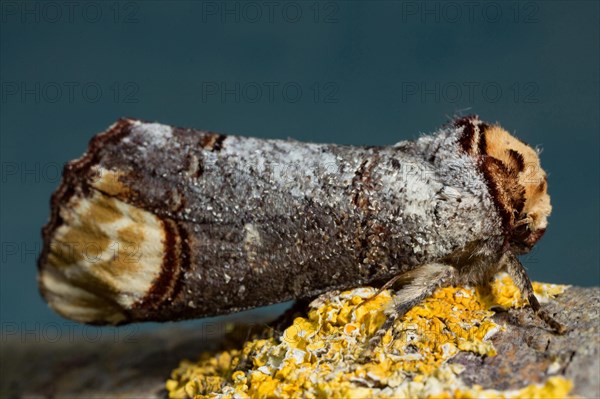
<point>103,257</point>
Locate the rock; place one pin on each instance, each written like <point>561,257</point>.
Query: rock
<point>527,353</point>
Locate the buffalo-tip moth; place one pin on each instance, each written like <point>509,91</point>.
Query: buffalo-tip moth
<point>159,223</point>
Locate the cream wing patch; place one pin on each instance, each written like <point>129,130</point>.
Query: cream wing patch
<point>104,257</point>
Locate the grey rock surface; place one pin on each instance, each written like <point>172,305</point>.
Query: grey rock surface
<point>527,353</point>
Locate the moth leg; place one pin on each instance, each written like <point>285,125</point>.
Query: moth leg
<point>387,285</point>
<point>519,275</point>
<point>419,284</point>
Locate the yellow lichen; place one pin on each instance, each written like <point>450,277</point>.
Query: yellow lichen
<point>505,294</point>
<point>322,354</point>
<point>554,387</point>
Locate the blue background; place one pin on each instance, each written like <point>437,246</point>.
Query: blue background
<point>345,72</point>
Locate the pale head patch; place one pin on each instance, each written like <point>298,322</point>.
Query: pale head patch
<point>525,161</point>
<point>515,178</point>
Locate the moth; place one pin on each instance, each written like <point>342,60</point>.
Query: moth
<point>157,223</point>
